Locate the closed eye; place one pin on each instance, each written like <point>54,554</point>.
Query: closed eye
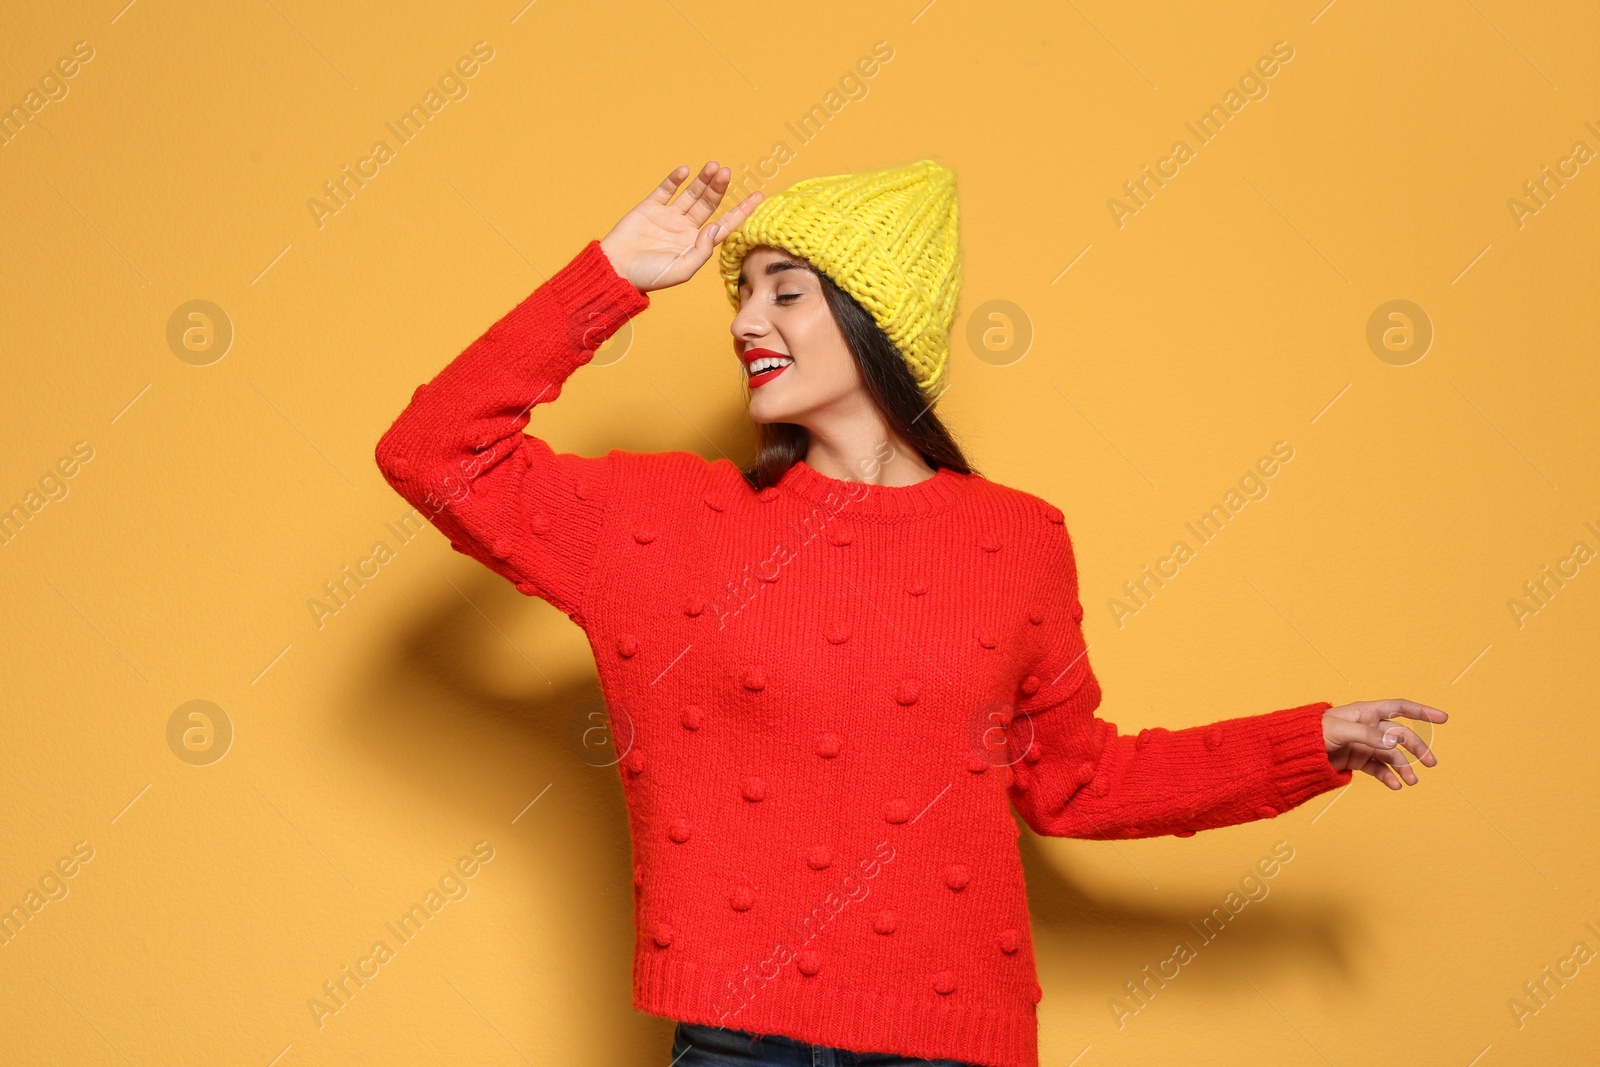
<point>789,296</point>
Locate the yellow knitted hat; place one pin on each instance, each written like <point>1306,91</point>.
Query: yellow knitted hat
<point>886,237</point>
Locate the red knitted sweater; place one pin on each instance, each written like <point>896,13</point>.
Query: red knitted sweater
<point>828,692</point>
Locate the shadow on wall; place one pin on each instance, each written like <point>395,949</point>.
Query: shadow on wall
<point>467,723</point>
<point>480,704</point>
<point>1129,959</point>
<point>476,705</point>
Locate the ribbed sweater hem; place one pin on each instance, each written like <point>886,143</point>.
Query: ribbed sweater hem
<point>1298,748</point>
<point>819,1013</point>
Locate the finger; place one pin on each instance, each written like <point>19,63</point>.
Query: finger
<point>1396,758</point>
<point>691,192</point>
<point>740,211</point>
<point>1361,737</point>
<point>710,196</point>
<point>1367,735</point>
<point>706,240</point>
<point>1394,736</point>
<point>1381,772</point>
<point>1411,741</point>
<point>1393,755</point>
<point>1409,708</point>
<point>663,192</point>
<point>1380,737</point>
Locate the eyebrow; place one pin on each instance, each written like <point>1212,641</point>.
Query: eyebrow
<point>774,267</point>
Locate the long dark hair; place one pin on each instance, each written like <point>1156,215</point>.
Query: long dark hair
<point>888,382</point>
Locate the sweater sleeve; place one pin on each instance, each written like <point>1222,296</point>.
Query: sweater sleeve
<point>1074,775</point>
<point>457,452</point>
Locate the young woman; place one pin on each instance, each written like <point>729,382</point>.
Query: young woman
<point>830,675</point>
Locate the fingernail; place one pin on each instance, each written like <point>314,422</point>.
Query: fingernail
<point>1390,739</point>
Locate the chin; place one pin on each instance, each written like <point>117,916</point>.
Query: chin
<point>769,407</point>
<point>764,411</point>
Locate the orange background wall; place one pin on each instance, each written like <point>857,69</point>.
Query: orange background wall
<point>1129,365</point>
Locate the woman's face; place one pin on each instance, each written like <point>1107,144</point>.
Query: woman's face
<point>783,313</point>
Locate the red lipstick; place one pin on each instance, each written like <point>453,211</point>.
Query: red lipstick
<point>772,364</point>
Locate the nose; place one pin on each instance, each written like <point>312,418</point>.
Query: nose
<point>749,324</point>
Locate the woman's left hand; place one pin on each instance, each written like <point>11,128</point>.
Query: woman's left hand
<point>1359,737</point>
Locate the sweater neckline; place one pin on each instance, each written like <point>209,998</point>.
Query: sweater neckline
<point>927,497</point>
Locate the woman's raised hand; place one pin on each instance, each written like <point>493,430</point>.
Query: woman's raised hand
<point>1357,737</point>
<point>659,244</point>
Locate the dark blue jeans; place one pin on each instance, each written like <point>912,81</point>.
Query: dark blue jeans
<point>694,1045</point>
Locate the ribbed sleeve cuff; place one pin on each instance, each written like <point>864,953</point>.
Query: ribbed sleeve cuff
<point>1300,755</point>
<point>597,301</point>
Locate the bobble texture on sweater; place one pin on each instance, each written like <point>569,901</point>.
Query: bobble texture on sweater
<point>831,693</point>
